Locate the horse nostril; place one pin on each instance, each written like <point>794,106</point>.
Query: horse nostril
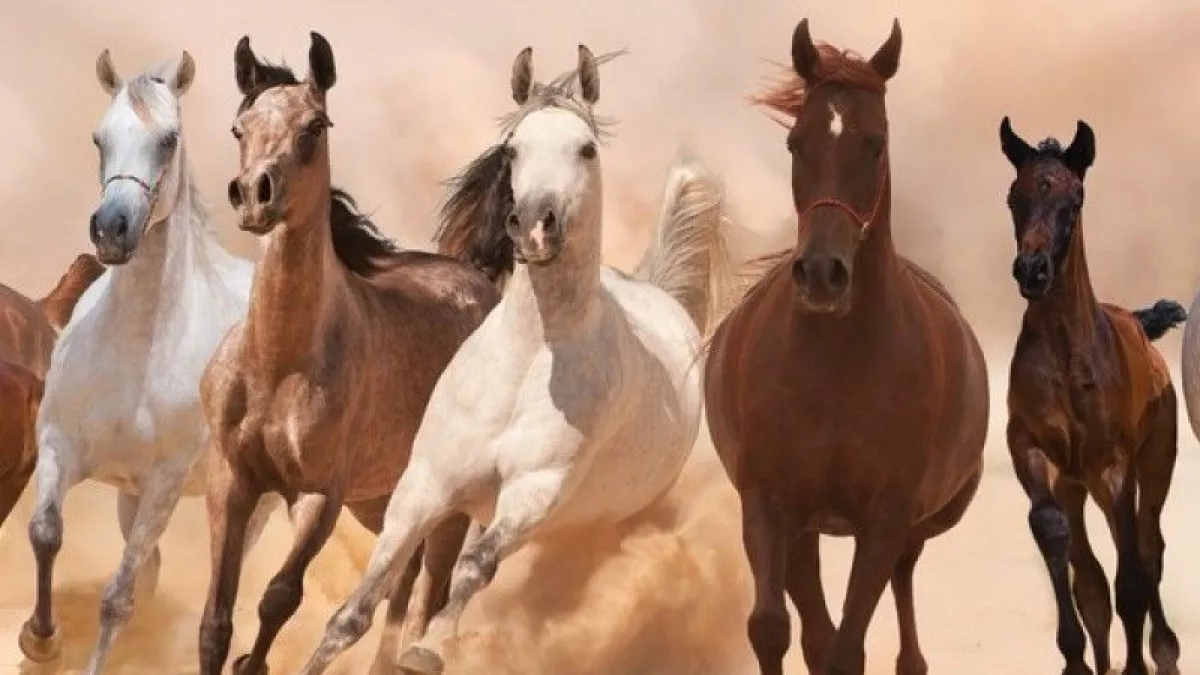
<point>264,189</point>
<point>549,223</point>
<point>799,275</point>
<point>121,226</point>
<point>235,193</point>
<point>839,275</point>
<point>94,228</point>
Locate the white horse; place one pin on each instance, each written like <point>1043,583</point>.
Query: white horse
<point>122,401</point>
<point>578,400</point>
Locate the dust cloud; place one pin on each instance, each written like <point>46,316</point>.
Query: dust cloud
<point>419,84</point>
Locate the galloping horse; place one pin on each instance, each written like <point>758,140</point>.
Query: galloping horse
<point>846,395</point>
<point>317,395</point>
<point>122,398</point>
<point>577,401</point>
<point>28,329</point>
<point>1091,412</point>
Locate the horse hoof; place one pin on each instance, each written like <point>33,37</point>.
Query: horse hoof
<point>421,661</point>
<point>39,649</point>
<point>1078,670</point>
<point>239,667</point>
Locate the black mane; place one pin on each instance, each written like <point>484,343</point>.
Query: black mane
<point>471,221</point>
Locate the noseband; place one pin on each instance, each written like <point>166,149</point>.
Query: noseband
<point>864,223</point>
<point>151,190</point>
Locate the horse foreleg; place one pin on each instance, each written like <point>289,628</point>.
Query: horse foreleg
<point>877,551</point>
<point>127,508</point>
<point>911,661</point>
<point>521,507</point>
<point>1156,466</point>
<point>765,543</point>
<point>805,589</point>
<point>313,517</point>
<point>159,496</point>
<point>390,640</point>
<point>1052,533</point>
<point>1090,584</point>
<point>230,500</point>
<point>1133,585</point>
<point>417,505</point>
<point>12,485</point>
<point>39,639</point>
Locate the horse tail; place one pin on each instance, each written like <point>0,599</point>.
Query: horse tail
<point>60,302</point>
<point>688,257</point>
<point>1160,318</point>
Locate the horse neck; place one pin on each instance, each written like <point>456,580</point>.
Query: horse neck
<point>1070,312</point>
<point>558,299</point>
<point>153,283</point>
<point>293,284</point>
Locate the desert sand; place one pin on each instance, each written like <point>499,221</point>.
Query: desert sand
<point>419,85</point>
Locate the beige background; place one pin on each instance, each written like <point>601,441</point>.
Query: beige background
<point>419,84</point>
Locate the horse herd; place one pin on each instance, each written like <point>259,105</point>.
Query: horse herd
<point>462,403</point>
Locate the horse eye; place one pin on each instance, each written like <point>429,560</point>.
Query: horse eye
<point>588,151</point>
<point>168,142</point>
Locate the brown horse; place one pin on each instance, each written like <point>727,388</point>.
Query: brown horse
<point>318,394</point>
<point>1091,411</point>
<point>28,328</point>
<point>846,394</point>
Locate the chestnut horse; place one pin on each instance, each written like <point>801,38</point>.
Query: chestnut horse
<point>318,394</point>
<point>28,329</point>
<point>1091,412</point>
<point>846,394</point>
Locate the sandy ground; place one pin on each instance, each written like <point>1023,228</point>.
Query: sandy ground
<point>419,84</point>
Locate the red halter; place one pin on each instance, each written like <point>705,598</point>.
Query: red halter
<point>864,224</point>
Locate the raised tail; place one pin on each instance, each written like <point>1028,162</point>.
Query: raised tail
<point>689,257</point>
<point>1160,318</point>
<point>60,302</point>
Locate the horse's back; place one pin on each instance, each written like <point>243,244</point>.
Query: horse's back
<point>456,291</point>
<point>26,336</point>
<point>1148,374</point>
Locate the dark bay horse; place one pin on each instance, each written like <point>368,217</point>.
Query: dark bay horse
<point>1092,411</point>
<point>318,394</point>
<point>846,394</point>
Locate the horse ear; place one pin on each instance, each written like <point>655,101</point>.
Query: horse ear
<point>245,67</point>
<point>887,60</point>
<point>1082,152</point>
<point>109,80</point>
<point>522,76</point>
<point>1018,152</point>
<point>805,57</point>
<point>589,76</point>
<point>320,63</point>
<point>185,73</point>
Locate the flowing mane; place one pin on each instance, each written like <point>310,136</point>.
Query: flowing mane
<point>357,241</point>
<point>479,198</point>
<point>787,93</point>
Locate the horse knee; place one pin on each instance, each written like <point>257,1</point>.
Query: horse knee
<point>216,632</point>
<point>1132,589</point>
<point>117,604</point>
<point>349,625</point>
<point>281,599</point>
<point>480,563</point>
<point>770,632</point>
<point>1052,532</point>
<point>46,532</point>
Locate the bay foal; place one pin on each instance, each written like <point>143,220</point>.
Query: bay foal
<point>1091,411</point>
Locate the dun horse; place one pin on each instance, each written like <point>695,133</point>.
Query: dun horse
<point>1091,412</point>
<point>846,395</point>
<point>122,399</point>
<point>577,401</point>
<point>317,395</point>
<point>28,329</point>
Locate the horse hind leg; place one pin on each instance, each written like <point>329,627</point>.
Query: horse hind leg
<point>1133,585</point>
<point>521,507</point>
<point>39,640</point>
<point>1090,585</point>
<point>314,517</point>
<point>803,570</point>
<point>147,582</point>
<point>159,497</point>
<point>1156,465</point>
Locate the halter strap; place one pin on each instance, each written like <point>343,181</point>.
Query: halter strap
<point>864,223</point>
<point>151,190</point>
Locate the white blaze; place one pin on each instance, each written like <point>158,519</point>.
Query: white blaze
<point>835,122</point>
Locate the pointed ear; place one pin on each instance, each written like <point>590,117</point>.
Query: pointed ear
<point>185,72</point>
<point>589,76</point>
<point>805,57</point>
<point>245,67</point>
<point>1082,151</point>
<point>1018,152</point>
<point>109,80</point>
<point>321,70</point>
<point>887,60</point>
<point>522,76</point>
